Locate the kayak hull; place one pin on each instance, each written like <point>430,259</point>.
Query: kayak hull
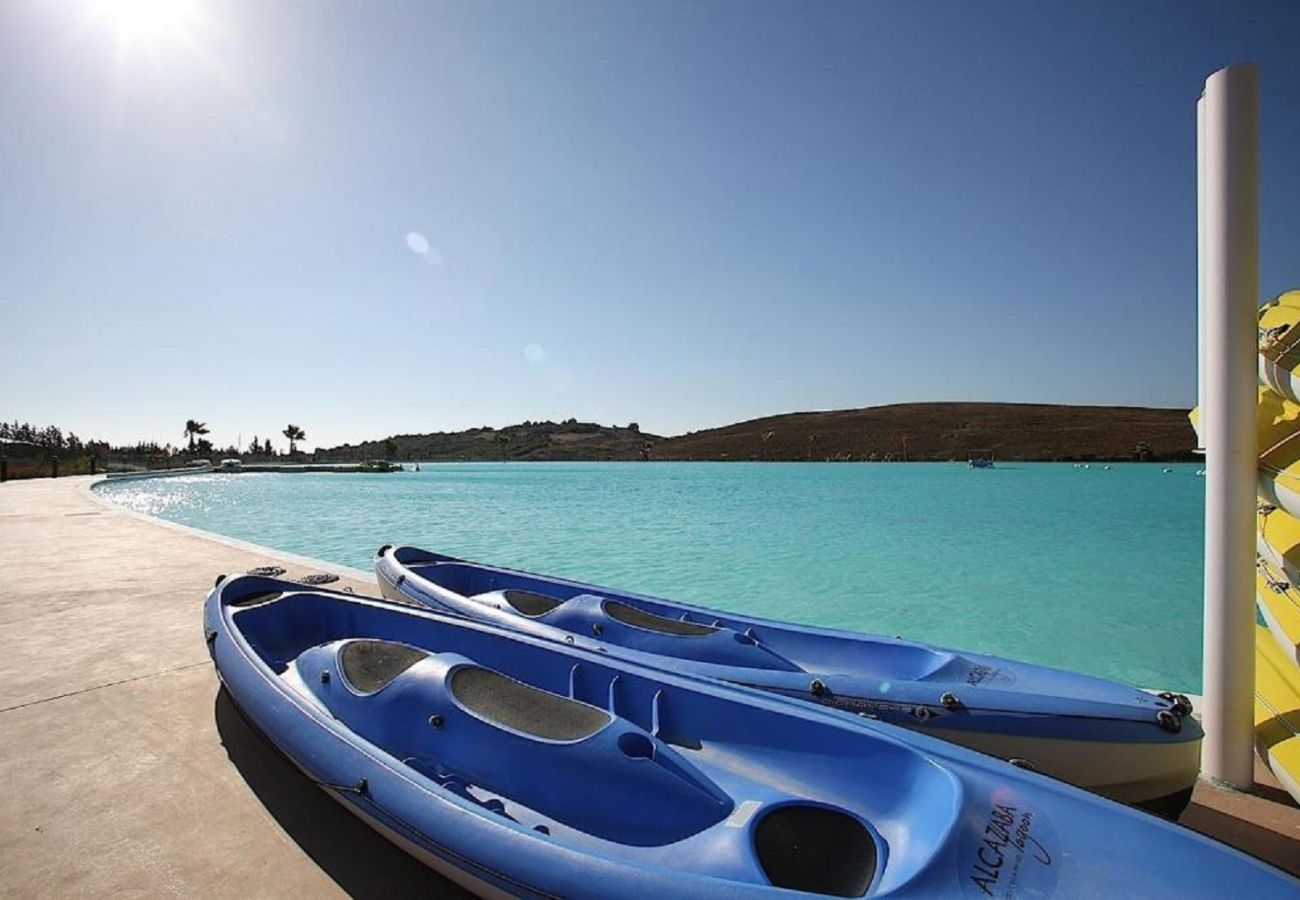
<point>1278,602</point>
<point>1279,352</point>
<point>1278,439</point>
<point>1152,776</point>
<point>477,886</point>
<point>782,800</point>
<point>1277,711</point>
<point>1276,593</point>
<point>1096,734</point>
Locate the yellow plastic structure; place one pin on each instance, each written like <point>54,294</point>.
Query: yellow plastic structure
<point>1277,711</point>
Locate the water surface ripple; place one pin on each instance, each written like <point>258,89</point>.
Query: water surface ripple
<point>1089,569</point>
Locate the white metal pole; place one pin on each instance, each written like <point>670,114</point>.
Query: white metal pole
<point>1229,253</point>
<point>1200,265</point>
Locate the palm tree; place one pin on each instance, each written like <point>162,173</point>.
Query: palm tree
<point>194,428</point>
<point>294,434</point>
<point>812,437</point>
<point>767,436</point>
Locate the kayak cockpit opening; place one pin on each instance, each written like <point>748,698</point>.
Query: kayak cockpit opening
<point>815,850</point>
<point>256,599</point>
<point>486,734</point>
<point>413,556</point>
<point>470,579</point>
<point>503,701</point>
<point>371,665</point>
<point>639,618</point>
<point>530,603</point>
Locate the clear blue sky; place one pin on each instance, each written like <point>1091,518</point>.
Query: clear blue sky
<point>375,218</point>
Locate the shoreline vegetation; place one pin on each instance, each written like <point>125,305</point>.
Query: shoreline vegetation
<point>905,432</point>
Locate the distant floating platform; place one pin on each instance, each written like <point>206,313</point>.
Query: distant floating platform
<point>313,467</point>
<point>344,468</point>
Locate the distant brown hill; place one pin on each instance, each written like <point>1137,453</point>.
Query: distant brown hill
<point>570,439</point>
<point>941,431</point>
<point>915,431</point>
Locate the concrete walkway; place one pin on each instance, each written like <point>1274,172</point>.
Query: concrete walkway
<point>126,771</point>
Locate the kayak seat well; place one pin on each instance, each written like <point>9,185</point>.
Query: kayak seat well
<point>626,625</point>
<point>504,701</point>
<point>530,604</point>
<point>370,665</point>
<point>639,618</point>
<point>257,599</point>
<point>815,850</point>
<point>414,556</point>
<point>468,579</point>
<point>543,756</point>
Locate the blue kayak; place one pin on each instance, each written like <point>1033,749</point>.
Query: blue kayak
<point>1125,743</point>
<point>523,767</point>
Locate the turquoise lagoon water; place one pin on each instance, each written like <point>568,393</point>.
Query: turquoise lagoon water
<point>1093,570</point>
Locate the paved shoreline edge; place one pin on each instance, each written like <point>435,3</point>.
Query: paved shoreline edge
<point>88,489</point>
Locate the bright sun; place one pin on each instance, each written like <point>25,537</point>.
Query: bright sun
<point>145,21</point>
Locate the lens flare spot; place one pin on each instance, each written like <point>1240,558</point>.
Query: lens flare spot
<point>418,243</point>
<point>535,354</point>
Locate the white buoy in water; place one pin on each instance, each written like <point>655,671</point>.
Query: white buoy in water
<point>1166,470</point>
<point>1107,468</point>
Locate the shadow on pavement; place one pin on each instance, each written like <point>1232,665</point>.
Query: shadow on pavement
<point>359,860</point>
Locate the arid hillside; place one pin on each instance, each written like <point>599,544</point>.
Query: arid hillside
<point>942,431</point>
<point>528,441</point>
<point>911,431</point>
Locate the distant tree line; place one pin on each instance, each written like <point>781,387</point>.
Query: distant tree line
<point>35,451</point>
<point>29,451</point>
<point>529,440</point>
